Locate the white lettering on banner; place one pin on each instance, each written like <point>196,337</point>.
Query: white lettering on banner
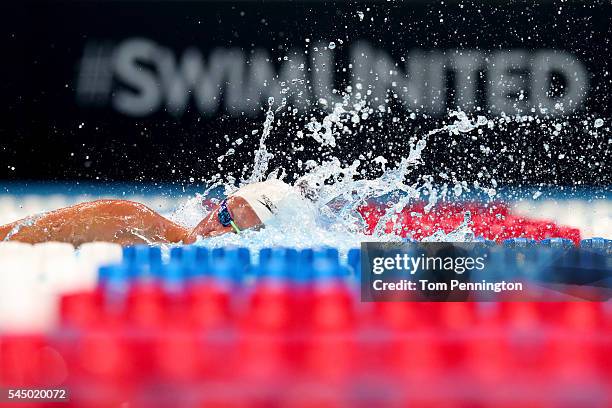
<point>508,82</point>
<point>543,65</point>
<point>149,78</point>
<point>128,66</point>
<point>190,78</point>
<point>420,87</point>
<point>466,65</point>
<point>323,75</point>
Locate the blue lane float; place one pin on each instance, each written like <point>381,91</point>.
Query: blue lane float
<point>550,260</point>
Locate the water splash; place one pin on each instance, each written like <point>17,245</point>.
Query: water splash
<point>324,209</point>
<point>262,156</point>
<point>463,233</point>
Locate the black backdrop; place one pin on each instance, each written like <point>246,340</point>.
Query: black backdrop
<point>90,89</point>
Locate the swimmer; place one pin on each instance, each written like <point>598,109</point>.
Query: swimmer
<point>127,222</point>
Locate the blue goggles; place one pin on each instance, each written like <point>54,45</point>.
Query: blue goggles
<point>225,216</point>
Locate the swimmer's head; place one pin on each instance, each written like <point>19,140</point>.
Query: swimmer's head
<point>250,206</point>
<point>264,197</point>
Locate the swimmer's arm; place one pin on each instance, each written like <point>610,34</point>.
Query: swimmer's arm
<point>123,222</point>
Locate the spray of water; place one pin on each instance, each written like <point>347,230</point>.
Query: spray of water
<point>323,210</point>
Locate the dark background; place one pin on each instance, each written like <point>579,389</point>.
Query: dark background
<point>50,131</point>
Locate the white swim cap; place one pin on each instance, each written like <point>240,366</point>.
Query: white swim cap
<point>264,197</point>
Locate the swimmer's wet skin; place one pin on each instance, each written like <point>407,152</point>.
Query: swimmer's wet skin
<point>128,222</point>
